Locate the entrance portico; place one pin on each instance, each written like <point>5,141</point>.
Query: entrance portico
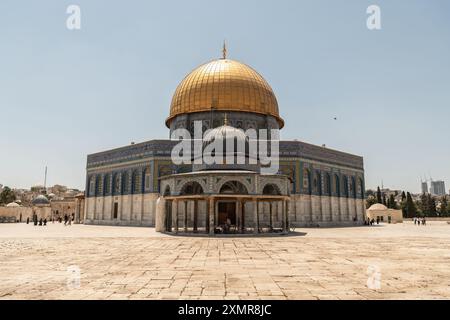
<point>226,214</point>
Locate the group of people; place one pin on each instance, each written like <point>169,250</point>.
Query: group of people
<point>43,222</point>
<point>420,221</point>
<point>371,222</point>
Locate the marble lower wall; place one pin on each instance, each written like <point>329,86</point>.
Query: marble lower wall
<point>323,211</point>
<point>132,210</point>
<point>304,211</point>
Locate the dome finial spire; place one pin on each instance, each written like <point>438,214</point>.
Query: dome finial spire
<point>224,50</point>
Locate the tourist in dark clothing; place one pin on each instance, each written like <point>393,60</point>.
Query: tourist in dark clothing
<point>40,222</point>
<point>45,221</point>
<point>28,220</point>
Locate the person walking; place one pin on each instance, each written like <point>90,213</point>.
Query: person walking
<point>45,221</point>
<point>65,219</point>
<point>28,220</point>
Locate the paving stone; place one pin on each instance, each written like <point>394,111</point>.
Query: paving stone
<point>138,263</point>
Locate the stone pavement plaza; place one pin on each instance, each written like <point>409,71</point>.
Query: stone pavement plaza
<point>409,262</point>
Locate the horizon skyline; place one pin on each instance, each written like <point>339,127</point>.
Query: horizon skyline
<point>68,93</point>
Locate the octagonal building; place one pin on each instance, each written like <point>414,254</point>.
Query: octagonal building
<point>140,184</point>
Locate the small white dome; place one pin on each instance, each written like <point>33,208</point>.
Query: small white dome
<point>223,133</point>
<point>12,205</point>
<point>378,207</point>
<point>40,200</point>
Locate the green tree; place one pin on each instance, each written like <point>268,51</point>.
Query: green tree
<point>392,203</point>
<point>371,200</point>
<point>384,199</point>
<point>369,193</point>
<point>379,200</point>
<point>410,207</point>
<point>7,196</point>
<point>431,205</point>
<point>403,196</point>
<point>423,204</point>
<point>403,203</point>
<point>444,207</point>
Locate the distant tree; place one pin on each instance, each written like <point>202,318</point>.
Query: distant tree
<point>371,200</point>
<point>444,210</point>
<point>369,193</point>
<point>7,196</point>
<point>403,196</point>
<point>410,206</point>
<point>392,203</point>
<point>423,204</point>
<point>384,199</point>
<point>36,188</point>
<point>379,200</point>
<point>431,205</point>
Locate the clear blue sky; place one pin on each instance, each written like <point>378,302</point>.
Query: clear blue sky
<point>65,94</point>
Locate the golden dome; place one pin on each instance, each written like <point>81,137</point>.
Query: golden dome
<point>224,85</point>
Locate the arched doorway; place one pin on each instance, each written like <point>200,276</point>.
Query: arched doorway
<point>227,209</point>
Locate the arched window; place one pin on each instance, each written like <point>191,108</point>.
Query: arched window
<point>167,191</point>
<point>233,187</point>
<point>136,183</point>
<point>353,187</point>
<point>345,186</point>
<point>92,186</point>
<point>327,184</point>
<point>99,186</point>
<point>306,181</point>
<point>107,183</point>
<point>147,179</point>
<point>116,182</point>
<point>361,188</point>
<point>336,186</point>
<point>318,183</point>
<point>191,188</point>
<point>125,182</point>
<point>271,189</point>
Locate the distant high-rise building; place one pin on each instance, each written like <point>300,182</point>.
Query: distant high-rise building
<point>437,188</point>
<point>424,187</point>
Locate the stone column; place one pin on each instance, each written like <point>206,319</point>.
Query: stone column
<point>271,215</point>
<point>287,216</point>
<point>242,216</point>
<point>238,214</point>
<point>255,216</point>
<point>211,216</point>
<point>185,215</point>
<point>195,215</point>
<point>283,214</point>
<point>175,213</point>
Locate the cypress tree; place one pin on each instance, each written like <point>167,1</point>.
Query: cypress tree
<point>410,207</point>
<point>403,204</point>
<point>392,204</point>
<point>379,200</point>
